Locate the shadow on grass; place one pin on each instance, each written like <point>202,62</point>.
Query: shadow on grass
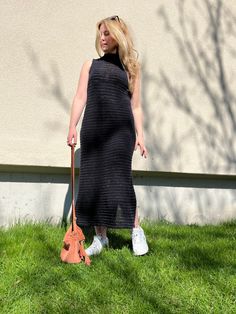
<point>41,274</point>
<point>50,252</point>
<point>199,258</point>
<point>117,241</point>
<point>44,278</point>
<point>128,270</point>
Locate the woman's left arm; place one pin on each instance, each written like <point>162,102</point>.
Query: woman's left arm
<point>138,115</point>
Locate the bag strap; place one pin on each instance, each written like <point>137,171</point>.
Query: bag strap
<point>73,186</point>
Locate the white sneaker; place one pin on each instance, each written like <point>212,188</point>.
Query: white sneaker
<point>139,242</point>
<point>97,245</point>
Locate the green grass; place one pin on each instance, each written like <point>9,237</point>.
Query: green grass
<point>189,269</point>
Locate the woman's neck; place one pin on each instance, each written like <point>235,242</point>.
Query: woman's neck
<point>114,51</point>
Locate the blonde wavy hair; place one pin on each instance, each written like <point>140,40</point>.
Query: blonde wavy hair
<point>128,55</point>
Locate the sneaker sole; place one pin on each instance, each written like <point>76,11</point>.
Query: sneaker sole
<point>141,253</point>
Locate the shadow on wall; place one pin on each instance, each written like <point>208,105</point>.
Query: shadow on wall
<point>207,57</point>
<point>51,86</point>
<point>203,43</point>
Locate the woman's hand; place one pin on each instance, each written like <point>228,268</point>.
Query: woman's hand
<point>72,137</point>
<point>139,142</point>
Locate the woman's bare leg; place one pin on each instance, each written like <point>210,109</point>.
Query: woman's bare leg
<point>136,220</point>
<point>101,231</point>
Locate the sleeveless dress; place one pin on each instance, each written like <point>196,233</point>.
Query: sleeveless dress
<point>106,196</point>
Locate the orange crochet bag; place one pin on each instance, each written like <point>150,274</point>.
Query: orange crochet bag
<point>73,243</point>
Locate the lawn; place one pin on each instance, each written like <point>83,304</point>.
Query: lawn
<point>189,269</point>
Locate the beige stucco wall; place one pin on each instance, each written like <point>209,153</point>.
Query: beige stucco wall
<point>186,98</point>
<point>187,51</point>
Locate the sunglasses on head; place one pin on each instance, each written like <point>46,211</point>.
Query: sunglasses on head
<point>114,18</point>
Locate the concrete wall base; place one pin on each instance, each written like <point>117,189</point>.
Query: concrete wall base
<point>178,198</point>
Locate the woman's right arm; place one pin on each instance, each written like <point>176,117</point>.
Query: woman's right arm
<point>79,102</point>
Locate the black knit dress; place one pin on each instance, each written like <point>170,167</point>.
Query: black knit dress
<point>106,195</point>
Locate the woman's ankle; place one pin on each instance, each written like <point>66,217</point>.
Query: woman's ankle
<point>101,231</point>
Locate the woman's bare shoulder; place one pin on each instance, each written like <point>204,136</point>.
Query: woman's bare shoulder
<point>87,65</point>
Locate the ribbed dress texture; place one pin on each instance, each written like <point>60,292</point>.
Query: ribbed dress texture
<point>106,196</point>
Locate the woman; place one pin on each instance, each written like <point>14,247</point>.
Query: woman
<point>111,130</point>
